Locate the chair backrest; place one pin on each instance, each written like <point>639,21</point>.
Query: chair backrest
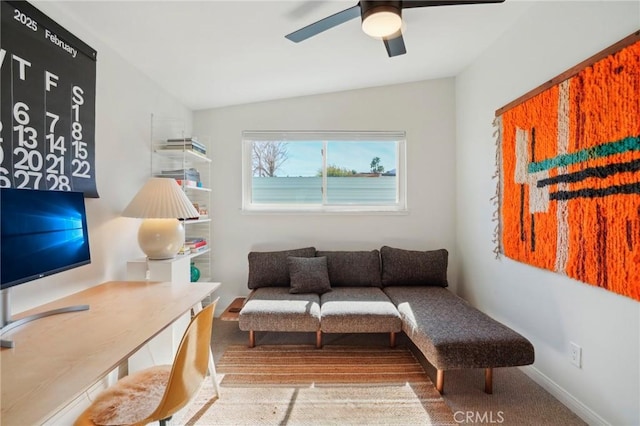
<point>190,365</point>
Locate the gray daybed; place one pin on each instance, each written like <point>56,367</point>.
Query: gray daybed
<point>384,291</point>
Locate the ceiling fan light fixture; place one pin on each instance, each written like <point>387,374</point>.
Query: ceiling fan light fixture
<point>381,20</point>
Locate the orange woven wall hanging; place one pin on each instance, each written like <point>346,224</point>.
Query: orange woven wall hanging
<point>568,158</point>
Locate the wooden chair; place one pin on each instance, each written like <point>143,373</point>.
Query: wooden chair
<point>157,393</point>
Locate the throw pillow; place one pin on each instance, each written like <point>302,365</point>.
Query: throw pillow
<point>309,275</point>
<point>270,269</point>
<point>353,268</point>
<point>411,268</point>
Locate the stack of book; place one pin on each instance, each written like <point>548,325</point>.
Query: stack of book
<point>196,244</point>
<point>186,143</point>
<point>185,177</point>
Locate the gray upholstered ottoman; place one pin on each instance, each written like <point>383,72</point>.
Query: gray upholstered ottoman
<point>453,334</point>
<point>275,309</point>
<point>359,310</point>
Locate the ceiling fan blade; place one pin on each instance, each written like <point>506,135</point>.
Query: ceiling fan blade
<point>410,4</point>
<point>395,44</point>
<point>325,24</point>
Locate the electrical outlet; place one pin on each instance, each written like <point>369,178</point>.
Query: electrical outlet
<point>576,354</point>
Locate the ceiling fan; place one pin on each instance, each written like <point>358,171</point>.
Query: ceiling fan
<point>380,19</point>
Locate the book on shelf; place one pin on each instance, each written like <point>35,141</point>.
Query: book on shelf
<point>199,249</point>
<point>187,182</point>
<point>187,147</point>
<point>187,174</point>
<point>195,242</point>
<point>185,142</point>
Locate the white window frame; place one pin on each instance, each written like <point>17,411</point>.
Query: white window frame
<point>400,207</point>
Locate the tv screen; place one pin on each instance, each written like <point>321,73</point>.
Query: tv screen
<point>42,233</point>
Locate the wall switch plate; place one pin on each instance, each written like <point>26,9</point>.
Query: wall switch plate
<point>575,354</point>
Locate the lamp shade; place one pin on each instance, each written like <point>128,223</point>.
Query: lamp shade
<point>161,198</point>
<point>161,202</point>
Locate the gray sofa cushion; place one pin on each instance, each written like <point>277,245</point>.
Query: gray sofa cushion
<point>353,268</point>
<point>453,334</point>
<point>270,268</point>
<point>410,267</point>
<point>358,310</point>
<point>275,309</point>
<point>309,275</point>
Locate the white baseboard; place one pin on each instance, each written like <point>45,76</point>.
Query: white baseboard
<point>581,410</point>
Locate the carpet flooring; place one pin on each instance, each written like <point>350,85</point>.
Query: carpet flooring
<point>301,385</point>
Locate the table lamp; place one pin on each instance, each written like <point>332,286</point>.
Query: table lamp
<point>161,202</point>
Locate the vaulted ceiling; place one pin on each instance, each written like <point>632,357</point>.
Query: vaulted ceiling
<point>218,53</point>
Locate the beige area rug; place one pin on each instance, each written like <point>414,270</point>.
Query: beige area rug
<point>301,385</point>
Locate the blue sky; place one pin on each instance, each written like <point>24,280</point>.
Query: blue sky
<point>305,158</point>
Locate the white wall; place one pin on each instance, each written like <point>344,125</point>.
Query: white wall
<point>125,100</point>
<point>548,308</point>
<point>425,110</point>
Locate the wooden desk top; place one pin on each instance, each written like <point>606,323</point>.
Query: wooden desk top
<point>56,359</point>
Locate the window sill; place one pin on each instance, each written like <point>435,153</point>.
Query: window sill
<point>333,210</point>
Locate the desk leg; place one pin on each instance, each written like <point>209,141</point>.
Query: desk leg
<point>212,366</point>
<point>123,370</point>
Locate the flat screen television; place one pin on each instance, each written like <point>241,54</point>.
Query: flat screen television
<point>42,233</point>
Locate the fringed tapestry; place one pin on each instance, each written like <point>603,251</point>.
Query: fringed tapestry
<point>568,158</point>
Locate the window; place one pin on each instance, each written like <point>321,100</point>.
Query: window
<point>324,171</point>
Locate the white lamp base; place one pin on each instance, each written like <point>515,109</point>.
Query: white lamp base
<point>161,238</point>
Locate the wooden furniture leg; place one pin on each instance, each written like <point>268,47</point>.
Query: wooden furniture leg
<point>319,339</point>
<point>392,339</point>
<point>252,339</point>
<point>488,380</point>
<point>440,381</point>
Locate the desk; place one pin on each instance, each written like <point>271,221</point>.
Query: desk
<point>56,359</point>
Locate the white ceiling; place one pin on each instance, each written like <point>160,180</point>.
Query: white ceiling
<point>218,53</point>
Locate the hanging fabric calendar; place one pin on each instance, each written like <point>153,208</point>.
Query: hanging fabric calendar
<point>47,107</point>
